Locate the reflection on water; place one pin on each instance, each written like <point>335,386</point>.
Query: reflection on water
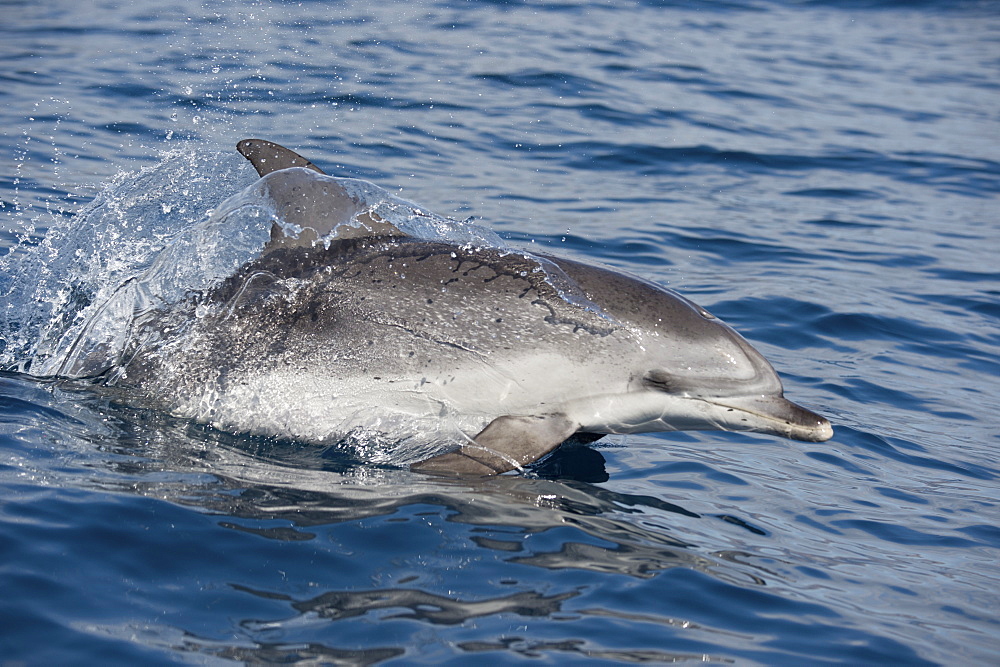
<point>420,605</point>
<point>536,649</point>
<point>247,485</point>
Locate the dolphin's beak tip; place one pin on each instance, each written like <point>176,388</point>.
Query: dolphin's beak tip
<point>821,430</point>
<point>809,426</point>
<point>824,431</point>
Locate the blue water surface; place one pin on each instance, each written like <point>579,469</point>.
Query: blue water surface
<point>824,176</point>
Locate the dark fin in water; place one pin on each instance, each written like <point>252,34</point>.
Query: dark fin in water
<point>267,156</point>
<point>506,443</point>
<point>317,206</point>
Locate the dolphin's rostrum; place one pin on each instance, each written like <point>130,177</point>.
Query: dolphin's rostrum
<point>348,323</point>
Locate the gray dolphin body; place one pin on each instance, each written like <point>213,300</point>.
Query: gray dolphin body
<point>505,354</point>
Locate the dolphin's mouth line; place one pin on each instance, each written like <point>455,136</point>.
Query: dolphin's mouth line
<point>733,408</point>
<point>790,419</point>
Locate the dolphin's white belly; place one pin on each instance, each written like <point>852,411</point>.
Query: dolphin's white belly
<point>448,405</point>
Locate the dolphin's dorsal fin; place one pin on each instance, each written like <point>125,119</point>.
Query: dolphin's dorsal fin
<point>315,205</point>
<point>318,206</point>
<point>267,156</point>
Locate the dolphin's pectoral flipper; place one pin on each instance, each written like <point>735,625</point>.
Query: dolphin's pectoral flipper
<point>267,156</point>
<point>506,443</point>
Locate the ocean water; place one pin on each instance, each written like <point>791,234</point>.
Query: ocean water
<point>824,176</point>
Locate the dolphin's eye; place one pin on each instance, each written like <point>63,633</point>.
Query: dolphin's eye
<point>660,380</point>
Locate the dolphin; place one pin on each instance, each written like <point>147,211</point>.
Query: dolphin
<point>347,324</point>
